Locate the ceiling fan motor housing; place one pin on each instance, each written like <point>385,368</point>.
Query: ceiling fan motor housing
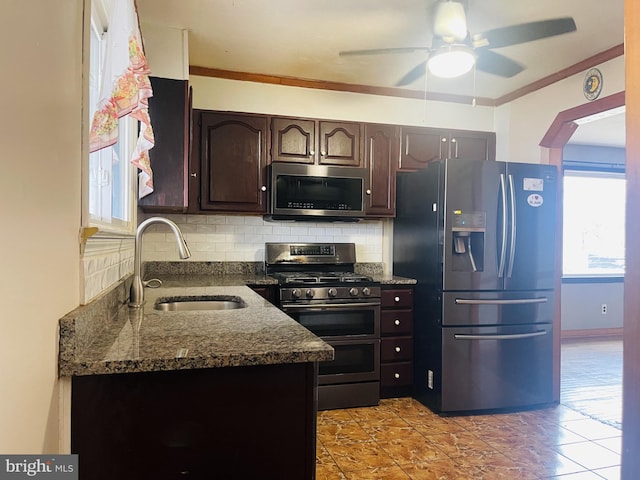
<point>450,22</point>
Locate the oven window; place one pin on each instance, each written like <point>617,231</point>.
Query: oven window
<point>329,323</point>
<point>350,358</point>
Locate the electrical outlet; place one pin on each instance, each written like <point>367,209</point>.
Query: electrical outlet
<point>604,308</point>
<point>430,379</point>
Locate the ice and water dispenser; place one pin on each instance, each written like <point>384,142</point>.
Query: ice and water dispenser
<point>467,236</point>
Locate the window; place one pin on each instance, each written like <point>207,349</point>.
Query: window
<point>110,187</point>
<point>594,223</point>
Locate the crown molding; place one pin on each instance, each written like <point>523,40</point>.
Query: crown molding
<point>594,60</point>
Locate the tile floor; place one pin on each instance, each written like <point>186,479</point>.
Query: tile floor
<point>402,439</point>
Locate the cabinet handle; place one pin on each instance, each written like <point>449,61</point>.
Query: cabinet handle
<point>323,153</point>
<point>263,188</point>
<point>455,155</point>
<point>444,139</point>
<point>194,175</point>
<point>396,299</point>
<point>312,153</point>
<point>368,192</point>
<point>397,322</point>
<point>397,349</point>
<point>396,375</point>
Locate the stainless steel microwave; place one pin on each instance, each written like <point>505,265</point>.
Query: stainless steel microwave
<point>310,192</point>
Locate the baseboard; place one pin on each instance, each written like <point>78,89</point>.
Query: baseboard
<point>591,333</point>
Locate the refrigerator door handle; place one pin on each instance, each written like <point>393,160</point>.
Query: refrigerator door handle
<point>516,301</point>
<point>514,336</point>
<point>512,201</point>
<point>503,249</point>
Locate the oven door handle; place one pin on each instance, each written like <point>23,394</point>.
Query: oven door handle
<point>514,301</point>
<point>331,305</point>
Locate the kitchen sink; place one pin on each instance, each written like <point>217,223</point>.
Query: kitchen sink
<point>199,303</point>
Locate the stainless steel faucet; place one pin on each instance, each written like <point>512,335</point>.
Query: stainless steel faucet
<point>136,298</point>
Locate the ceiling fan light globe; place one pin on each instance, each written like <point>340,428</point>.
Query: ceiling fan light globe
<point>451,61</point>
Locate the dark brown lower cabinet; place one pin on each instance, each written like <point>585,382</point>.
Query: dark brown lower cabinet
<point>396,351</point>
<point>268,292</point>
<point>228,423</point>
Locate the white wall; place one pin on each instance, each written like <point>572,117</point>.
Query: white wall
<point>232,95</point>
<point>166,50</point>
<point>521,124</point>
<point>40,213</point>
<point>582,306</point>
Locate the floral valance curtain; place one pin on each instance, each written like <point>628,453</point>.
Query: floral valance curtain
<point>125,90</point>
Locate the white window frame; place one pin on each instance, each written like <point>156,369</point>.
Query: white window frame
<point>96,23</point>
<point>568,241</point>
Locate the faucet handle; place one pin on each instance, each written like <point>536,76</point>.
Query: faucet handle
<point>152,283</point>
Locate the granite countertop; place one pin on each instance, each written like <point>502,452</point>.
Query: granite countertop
<point>107,336</point>
<point>255,280</point>
<point>143,340</point>
<point>245,273</point>
<point>393,280</point>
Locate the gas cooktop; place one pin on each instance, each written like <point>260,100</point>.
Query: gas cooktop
<point>320,277</point>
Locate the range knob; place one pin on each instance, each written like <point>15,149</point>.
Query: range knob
<point>353,291</point>
<point>366,291</point>
<point>310,293</point>
<point>295,293</point>
<point>333,292</point>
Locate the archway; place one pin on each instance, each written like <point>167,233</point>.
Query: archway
<point>556,137</point>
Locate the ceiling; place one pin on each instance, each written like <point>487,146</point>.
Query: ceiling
<point>302,38</point>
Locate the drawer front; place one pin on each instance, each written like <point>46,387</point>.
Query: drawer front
<point>396,349</point>
<point>396,322</point>
<point>396,374</point>
<point>397,297</point>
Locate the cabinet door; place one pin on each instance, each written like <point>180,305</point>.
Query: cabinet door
<point>340,144</point>
<point>420,146</point>
<point>169,113</point>
<point>381,146</point>
<point>468,145</point>
<point>293,140</point>
<point>232,163</point>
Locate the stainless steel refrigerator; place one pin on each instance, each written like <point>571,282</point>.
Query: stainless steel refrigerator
<point>479,238</point>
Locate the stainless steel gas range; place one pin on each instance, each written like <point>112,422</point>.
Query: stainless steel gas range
<point>319,289</point>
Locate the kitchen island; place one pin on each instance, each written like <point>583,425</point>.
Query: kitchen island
<point>213,394</point>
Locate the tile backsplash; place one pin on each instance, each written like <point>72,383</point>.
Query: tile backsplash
<point>232,238</point>
<point>103,264</point>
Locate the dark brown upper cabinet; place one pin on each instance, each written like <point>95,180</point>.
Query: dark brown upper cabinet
<point>421,145</point>
<point>169,110</point>
<point>381,147</point>
<point>316,142</point>
<point>232,151</point>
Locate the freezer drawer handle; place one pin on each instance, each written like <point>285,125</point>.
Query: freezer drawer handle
<point>518,301</point>
<point>461,336</point>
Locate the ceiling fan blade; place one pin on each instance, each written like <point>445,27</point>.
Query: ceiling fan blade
<point>524,32</point>
<point>413,74</point>
<point>492,62</point>
<point>382,51</point>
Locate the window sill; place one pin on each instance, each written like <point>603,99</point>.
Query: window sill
<point>594,279</point>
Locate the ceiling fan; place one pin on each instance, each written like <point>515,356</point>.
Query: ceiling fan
<point>454,51</point>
